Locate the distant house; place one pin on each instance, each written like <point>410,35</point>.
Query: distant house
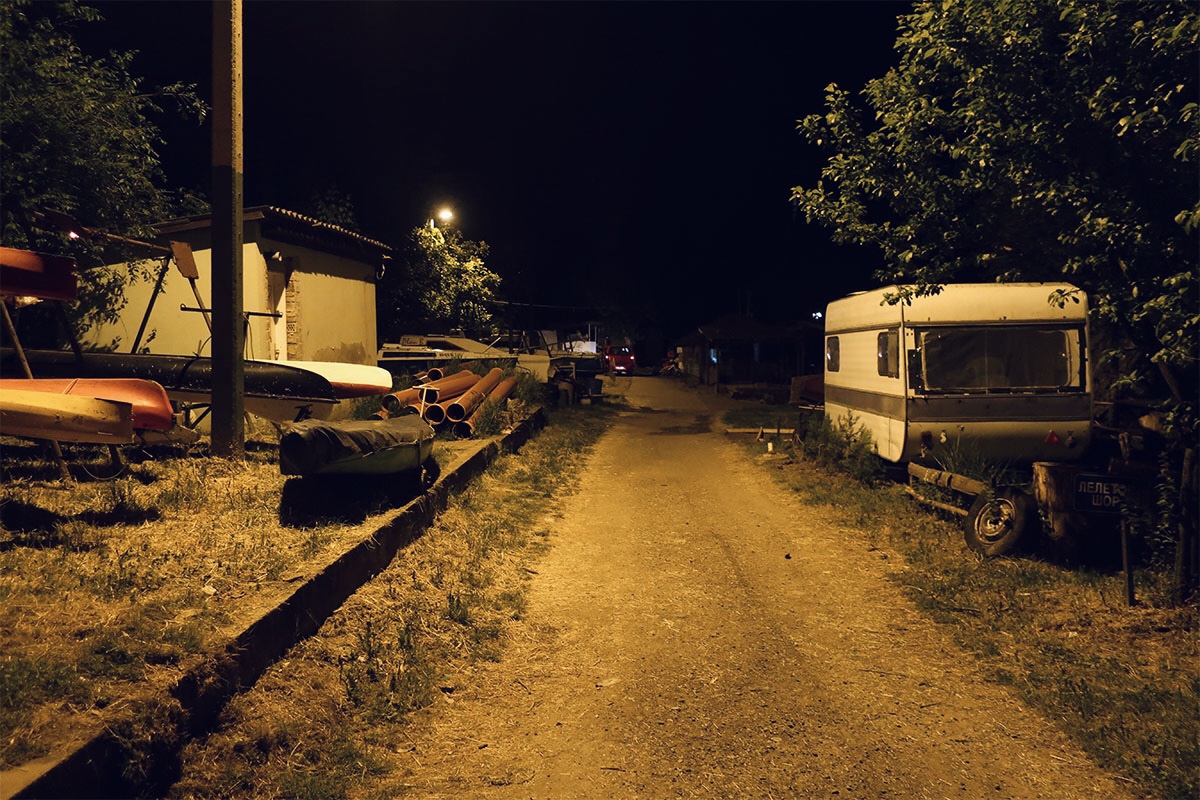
<point>308,292</point>
<point>738,350</point>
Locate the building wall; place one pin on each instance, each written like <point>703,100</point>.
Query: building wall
<point>325,306</point>
<point>329,307</point>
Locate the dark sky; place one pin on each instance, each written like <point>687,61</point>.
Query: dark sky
<point>624,154</point>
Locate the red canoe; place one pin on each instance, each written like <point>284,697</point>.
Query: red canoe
<point>151,408</point>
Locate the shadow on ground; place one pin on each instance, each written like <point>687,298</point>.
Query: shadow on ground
<point>349,499</point>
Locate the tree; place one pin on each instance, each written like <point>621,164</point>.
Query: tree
<point>334,207</point>
<point>1036,140</point>
<point>76,137</point>
<point>1027,140</point>
<point>441,279</point>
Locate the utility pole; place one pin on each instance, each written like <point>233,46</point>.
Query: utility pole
<point>228,335</point>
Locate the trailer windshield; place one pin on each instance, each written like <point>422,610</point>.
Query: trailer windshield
<point>1001,359</point>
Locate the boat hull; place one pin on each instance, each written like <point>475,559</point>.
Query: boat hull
<point>64,418</point>
<point>356,447</point>
<point>273,390</point>
<point>151,406</point>
<point>419,353</point>
<point>349,381</point>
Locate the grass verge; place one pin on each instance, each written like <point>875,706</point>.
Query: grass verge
<point>1123,682</point>
<point>324,722</point>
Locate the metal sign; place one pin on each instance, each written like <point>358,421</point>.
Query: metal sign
<point>1098,494</point>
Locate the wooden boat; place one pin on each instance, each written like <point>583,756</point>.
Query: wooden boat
<point>273,390</point>
<point>349,381</point>
<point>65,418</point>
<point>415,353</point>
<point>153,418</point>
<point>355,447</point>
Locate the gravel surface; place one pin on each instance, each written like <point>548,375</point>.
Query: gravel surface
<point>697,631</point>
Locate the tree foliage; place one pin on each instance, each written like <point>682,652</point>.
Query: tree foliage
<point>1042,140</point>
<point>76,137</point>
<point>334,207</point>
<point>441,279</point>
<point>1033,140</point>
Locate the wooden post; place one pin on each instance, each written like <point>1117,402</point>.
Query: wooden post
<point>1186,549</point>
<point>228,384</point>
<point>1125,565</point>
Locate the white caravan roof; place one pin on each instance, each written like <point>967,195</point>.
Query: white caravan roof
<point>958,303</point>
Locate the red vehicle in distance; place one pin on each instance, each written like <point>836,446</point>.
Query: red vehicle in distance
<point>619,358</point>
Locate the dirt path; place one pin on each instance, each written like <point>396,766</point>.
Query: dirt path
<point>697,632</point>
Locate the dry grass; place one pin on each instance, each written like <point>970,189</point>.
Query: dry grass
<point>327,719</point>
<point>111,589</point>
<point>1123,682</point>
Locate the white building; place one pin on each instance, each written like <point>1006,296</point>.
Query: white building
<point>308,292</point>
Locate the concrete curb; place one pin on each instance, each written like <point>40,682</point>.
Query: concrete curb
<point>104,766</point>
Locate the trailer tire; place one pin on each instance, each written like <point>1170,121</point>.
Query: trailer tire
<point>997,521</point>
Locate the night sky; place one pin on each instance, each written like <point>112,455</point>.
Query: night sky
<point>635,157</point>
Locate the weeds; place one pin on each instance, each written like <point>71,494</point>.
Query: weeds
<point>1063,640</point>
<point>845,445</point>
<point>489,420</point>
<point>446,601</point>
<point>963,458</point>
<point>121,602</point>
<point>458,610</point>
<point>25,683</point>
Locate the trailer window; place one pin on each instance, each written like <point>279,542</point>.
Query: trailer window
<point>887,352</point>
<point>833,354</point>
<point>1002,359</point>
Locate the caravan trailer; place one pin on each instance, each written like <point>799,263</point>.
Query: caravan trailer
<point>997,371</point>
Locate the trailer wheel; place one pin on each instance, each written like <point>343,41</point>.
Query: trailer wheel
<point>996,522</point>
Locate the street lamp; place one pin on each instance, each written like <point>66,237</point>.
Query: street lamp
<point>445,215</point>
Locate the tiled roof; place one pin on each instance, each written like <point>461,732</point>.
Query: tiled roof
<point>280,223</point>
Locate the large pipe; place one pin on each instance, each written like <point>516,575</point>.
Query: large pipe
<point>396,402</point>
<point>469,400</point>
<point>450,386</point>
<point>435,413</point>
<point>466,428</point>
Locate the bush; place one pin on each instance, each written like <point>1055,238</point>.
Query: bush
<point>844,445</point>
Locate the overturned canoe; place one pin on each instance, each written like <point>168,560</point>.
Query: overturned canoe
<point>151,406</point>
<point>63,418</point>
<point>356,447</point>
<point>273,390</point>
<point>154,420</point>
<point>349,381</point>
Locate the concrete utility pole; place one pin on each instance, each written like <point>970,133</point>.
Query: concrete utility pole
<point>228,388</point>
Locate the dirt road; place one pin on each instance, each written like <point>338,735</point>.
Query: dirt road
<point>696,631</point>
